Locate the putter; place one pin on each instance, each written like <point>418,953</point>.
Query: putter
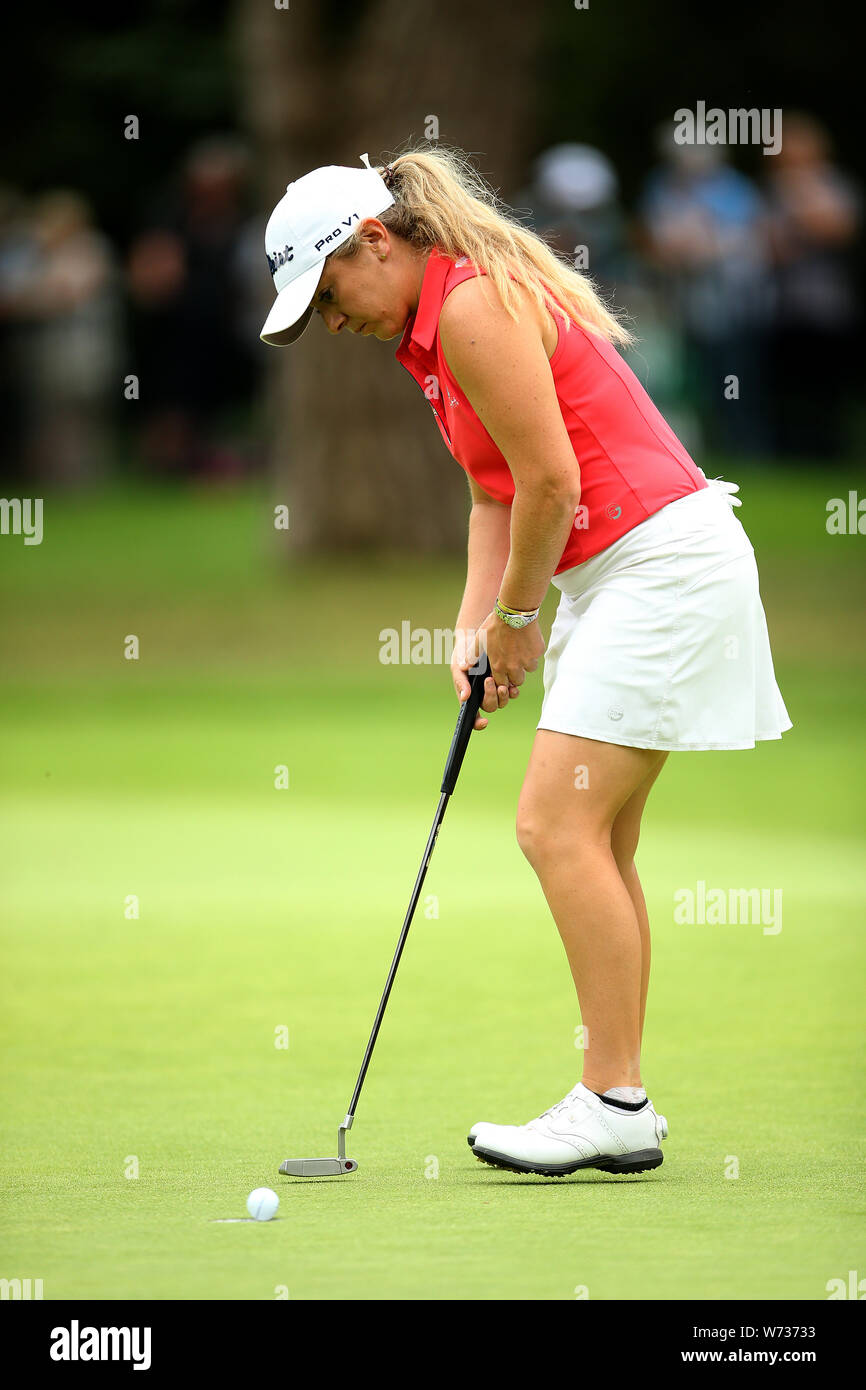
<point>333,1167</point>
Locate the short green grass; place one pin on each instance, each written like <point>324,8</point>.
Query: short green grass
<point>147,1046</point>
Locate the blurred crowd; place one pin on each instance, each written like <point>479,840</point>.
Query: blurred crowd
<point>151,352</point>
<point>743,293</point>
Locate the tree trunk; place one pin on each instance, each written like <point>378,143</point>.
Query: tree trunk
<point>353,444</point>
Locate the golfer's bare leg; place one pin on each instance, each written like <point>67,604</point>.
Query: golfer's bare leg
<point>572,794</point>
<point>624,837</point>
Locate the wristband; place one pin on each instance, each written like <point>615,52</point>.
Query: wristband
<point>521,611</point>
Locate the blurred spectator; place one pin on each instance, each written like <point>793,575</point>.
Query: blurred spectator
<point>18,261</point>
<point>196,363</point>
<point>706,234</point>
<point>573,201</point>
<point>60,306</point>
<point>815,218</point>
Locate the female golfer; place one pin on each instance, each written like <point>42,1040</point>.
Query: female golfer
<point>659,642</point>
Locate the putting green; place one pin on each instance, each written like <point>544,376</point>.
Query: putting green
<point>143,1095</point>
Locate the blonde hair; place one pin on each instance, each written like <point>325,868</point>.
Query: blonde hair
<point>441,200</point>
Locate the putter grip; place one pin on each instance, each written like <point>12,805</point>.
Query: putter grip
<point>465,725</point>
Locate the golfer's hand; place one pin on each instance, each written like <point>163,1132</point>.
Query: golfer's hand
<point>462,661</point>
<point>511,653</point>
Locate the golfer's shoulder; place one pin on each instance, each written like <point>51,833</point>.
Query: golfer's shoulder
<point>475,326</point>
<point>475,303</point>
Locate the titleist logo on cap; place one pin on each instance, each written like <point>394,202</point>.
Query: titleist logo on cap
<point>280,258</point>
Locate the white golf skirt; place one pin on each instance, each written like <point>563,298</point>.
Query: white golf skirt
<point>660,641</point>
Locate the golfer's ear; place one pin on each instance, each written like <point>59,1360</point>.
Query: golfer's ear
<point>373,234</point>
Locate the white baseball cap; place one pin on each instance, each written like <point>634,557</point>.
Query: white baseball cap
<point>308,223</point>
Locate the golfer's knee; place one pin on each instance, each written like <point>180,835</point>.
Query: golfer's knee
<point>546,841</point>
<point>623,844</point>
<point>626,866</point>
<point>531,834</point>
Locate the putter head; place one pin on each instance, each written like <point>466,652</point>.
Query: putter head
<point>317,1167</point>
<point>324,1167</point>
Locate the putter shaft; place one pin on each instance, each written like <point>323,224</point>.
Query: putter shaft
<point>330,1167</point>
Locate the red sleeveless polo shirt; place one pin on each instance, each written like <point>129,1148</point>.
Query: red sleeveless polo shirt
<point>631,462</point>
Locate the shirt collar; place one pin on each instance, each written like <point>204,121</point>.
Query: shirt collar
<point>420,331</point>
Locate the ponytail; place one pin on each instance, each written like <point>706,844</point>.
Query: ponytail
<point>441,200</point>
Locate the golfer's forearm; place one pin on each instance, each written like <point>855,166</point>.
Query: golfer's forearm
<point>541,520</point>
<point>489,545</point>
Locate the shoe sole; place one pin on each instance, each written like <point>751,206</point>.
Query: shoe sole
<point>639,1161</point>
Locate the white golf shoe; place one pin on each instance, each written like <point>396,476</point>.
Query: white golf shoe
<point>578,1132</point>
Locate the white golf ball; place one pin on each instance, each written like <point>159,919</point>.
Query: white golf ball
<point>262,1204</point>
